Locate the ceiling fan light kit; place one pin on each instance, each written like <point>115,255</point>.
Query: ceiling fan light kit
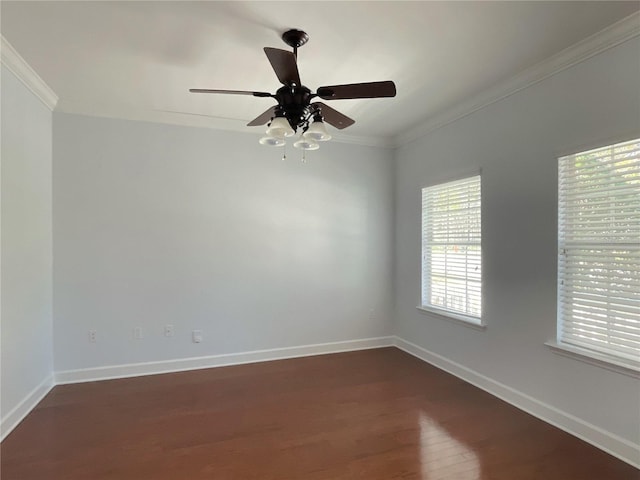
<point>317,131</point>
<point>306,144</point>
<point>295,112</point>
<point>272,142</point>
<point>279,127</point>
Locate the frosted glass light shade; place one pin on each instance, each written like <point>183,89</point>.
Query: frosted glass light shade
<point>306,144</point>
<point>317,132</point>
<point>272,141</point>
<point>280,128</point>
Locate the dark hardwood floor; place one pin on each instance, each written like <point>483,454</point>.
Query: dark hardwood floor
<point>376,414</point>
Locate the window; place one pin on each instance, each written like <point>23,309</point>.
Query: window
<point>599,251</point>
<point>451,252</point>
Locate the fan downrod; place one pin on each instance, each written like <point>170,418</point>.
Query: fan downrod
<point>295,38</point>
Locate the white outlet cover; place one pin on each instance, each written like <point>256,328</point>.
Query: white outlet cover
<point>197,336</point>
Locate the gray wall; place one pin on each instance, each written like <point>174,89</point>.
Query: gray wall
<point>202,229</point>
<point>26,319</point>
<point>516,142</point>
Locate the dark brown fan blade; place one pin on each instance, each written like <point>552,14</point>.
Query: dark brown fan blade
<point>358,90</point>
<point>264,118</point>
<point>284,64</point>
<point>230,92</point>
<point>334,117</point>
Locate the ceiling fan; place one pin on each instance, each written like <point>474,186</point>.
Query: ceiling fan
<point>295,109</point>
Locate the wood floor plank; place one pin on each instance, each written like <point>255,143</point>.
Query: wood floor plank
<point>375,414</point>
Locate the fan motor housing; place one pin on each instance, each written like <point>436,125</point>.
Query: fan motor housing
<point>294,103</point>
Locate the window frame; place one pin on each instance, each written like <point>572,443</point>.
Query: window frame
<point>468,320</point>
<point>602,358</point>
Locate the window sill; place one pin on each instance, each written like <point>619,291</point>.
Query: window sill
<point>463,320</point>
<point>626,367</point>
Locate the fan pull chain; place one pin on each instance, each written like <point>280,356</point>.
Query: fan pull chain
<point>284,152</point>
<point>304,156</point>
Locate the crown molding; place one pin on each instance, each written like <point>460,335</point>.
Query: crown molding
<point>380,142</point>
<point>22,70</point>
<point>186,119</point>
<point>615,34</point>
<point>610,37</point>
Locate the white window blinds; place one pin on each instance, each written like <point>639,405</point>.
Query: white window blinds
<point>451,252</point>
<point>599,250</point>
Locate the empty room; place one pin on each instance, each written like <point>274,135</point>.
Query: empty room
<point>339,240</point>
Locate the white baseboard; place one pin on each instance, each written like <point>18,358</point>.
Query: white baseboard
<point>195,363</point>
<point>621,448</point>
<point>28,403</point>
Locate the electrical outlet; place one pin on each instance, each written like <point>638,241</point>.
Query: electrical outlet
<point>92,336</point>
<point>168,330</point>
<point>197,336</point>
<point>137,333</point>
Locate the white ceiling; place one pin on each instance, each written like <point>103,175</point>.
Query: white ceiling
<point>138,59</point>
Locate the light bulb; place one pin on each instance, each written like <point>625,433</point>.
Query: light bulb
<point>318,132</point>
<point>306,144</point>
<point>272,141</point>
<point>280,128</point>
